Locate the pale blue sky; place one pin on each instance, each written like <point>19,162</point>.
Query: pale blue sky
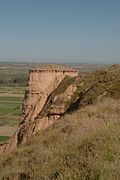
<point>60,30</point>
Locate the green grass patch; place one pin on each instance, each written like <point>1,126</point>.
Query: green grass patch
<point>10,108</point>
<point>4,138</point>
<point>9,120</point>
<point>10,105</point>
<point>12,89</point>
<point>10,99</point>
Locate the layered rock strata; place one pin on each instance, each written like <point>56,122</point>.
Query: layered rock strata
<point>49,89</point>
<point>42,81</point>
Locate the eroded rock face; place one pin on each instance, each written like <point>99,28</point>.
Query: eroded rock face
<point>45,101</point>
<point>40,84</point>
<point>56,109</point>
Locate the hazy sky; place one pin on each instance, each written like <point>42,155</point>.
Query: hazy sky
<point>60,30</point>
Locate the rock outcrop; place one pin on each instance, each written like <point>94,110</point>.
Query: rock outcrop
<point>42,81</point>
<point>49,89</point>
<point>52,91</point>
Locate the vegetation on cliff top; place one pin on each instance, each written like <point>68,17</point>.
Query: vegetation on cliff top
<point>90,87</point>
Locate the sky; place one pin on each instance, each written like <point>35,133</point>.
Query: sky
<point>83,31</point>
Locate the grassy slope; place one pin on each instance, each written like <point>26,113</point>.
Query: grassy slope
<point>90,87</point>
<point>83,145</point>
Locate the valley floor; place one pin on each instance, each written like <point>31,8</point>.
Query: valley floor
<point>10,109</point>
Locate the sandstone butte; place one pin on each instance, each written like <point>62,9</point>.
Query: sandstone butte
<point>43,102</point>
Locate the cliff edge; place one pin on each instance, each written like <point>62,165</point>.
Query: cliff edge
<point>42,82</point>
<point>53,91</point>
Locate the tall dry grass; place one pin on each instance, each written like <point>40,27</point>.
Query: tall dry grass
<point>84,145</point>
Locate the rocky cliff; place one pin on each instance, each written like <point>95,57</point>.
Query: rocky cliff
<point>53,91</point>
<point>48,90</point>
<point>42,81</point>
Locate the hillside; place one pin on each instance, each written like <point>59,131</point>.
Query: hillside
<point>84,141</point>
<point>82,145</point>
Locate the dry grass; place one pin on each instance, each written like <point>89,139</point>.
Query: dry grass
<point>84,145</point>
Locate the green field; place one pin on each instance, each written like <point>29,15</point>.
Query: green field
<point>10,106</point>
<point>3,139</point>
<point>10,109</point>
<point>19,90</point>
<point>13,80</point>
